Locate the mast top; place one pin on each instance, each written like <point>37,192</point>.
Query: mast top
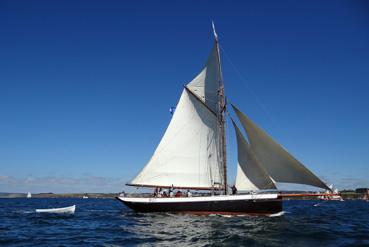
<point>215,33</point>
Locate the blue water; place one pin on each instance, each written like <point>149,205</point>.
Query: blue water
<point>106,222</point>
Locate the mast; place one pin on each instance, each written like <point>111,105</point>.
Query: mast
<point>221,115</point>
<point>192,152</point>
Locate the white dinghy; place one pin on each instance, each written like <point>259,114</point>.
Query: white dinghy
<point>66,210</point>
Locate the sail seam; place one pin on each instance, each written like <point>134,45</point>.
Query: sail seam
<point>202,102</point>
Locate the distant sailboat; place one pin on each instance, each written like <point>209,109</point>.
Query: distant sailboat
<point>331,195</point>
<point>366,197</point>
<point>29,195</point>
<point>192,156</point>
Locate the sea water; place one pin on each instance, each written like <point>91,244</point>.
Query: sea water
<point>106,222</point>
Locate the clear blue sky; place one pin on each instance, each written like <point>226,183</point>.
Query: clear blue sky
<point>85,86</point>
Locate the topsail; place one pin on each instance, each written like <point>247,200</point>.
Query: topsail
<point>206,84</point>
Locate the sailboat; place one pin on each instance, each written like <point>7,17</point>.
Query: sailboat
<point>192,156</point>
<point>29,195</point>
<point>331,195</point>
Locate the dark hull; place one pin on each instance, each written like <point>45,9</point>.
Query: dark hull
<point>265,207</point>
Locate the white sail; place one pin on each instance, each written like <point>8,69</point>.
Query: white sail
<point>187,154</point>
<point>250,175</point>
<point>206,84</point>
<point>278,163</point>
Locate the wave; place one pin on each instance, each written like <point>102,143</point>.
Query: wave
<point>277,214</point>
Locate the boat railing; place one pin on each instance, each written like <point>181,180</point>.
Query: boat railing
<point>193,194</point>
<point>150,195</point>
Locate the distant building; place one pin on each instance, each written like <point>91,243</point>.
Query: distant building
<point>362,190</point>
<point>364,193</point>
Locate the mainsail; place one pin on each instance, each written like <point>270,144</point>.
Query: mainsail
<point>277,162</point>
<point>250,174</point>
<point>188,155</point>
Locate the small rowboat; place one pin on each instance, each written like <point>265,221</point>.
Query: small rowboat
<point>66,210</point>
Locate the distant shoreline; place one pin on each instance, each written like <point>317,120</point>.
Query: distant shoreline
<point>62,195</point>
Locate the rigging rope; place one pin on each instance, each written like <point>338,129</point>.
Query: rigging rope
<point>243,79</point>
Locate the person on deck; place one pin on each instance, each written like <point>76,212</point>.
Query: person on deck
<point>189,193</point>
<point>160,193</point>
<point>178,194</point>
<point>164,194</point>
<point>171,191</point>
<point>234,190</point>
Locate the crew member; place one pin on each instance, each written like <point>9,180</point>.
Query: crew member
<point>234,190</point>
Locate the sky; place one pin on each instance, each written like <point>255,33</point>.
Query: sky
<point>86,86</point>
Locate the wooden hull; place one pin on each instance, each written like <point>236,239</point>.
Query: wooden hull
<point>228,205</point>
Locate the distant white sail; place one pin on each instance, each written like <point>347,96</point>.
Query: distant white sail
<point>278,163</point>
<point>250,175</point>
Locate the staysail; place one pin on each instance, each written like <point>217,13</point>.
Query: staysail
<point>277,162</point>
<point>250,175</point>
<point>188,154</point>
